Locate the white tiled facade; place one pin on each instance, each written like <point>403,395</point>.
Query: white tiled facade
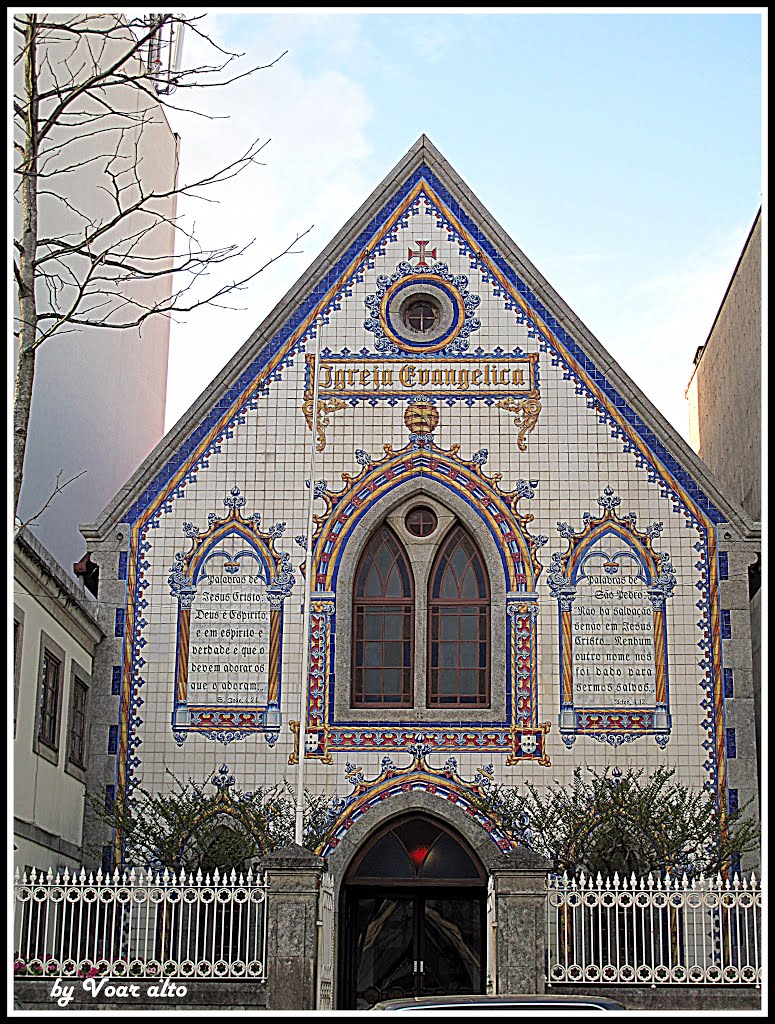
<point>590,435</point>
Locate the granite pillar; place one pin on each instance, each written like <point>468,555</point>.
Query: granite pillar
<point>294,886</point>
<point>519,887</point>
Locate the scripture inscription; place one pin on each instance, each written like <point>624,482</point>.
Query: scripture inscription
<point>229,646</point>
<point>614,660</point>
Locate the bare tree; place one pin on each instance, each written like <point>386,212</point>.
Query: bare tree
<point>90,94</point>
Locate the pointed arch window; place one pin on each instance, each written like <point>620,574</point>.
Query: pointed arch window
<point>383,620</point>
<point>459,626</point>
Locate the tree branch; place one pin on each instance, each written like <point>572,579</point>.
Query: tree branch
<point>86,101</point>
<point>58,488</point>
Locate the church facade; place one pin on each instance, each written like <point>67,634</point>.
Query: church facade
<point>516,568</point>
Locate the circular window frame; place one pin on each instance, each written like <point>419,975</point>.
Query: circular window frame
<point>427,288</point>
<point>407,309</point>
<point>434,527</point>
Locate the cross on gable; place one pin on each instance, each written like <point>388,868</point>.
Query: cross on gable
<point>422,253</point>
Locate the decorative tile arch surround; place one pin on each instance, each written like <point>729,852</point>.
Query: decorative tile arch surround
<point>478,502</point>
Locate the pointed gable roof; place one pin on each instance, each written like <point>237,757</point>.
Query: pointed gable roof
<point>626,410</point>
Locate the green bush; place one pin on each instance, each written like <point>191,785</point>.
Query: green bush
<point>204,826</point>
<point>614,821</point>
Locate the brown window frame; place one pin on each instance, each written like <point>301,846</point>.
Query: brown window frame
<point>18,641</point>
<point>414,315</point>
<point>78,684</point>
<point>360,606</point>
<point>49,736</point>
<point>436,604</point>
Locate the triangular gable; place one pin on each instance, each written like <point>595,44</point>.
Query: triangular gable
<point>624,410</point>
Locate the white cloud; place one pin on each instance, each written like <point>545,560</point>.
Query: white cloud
<point>314,174</point>
<point>318,170</point>
<point>665,318</point>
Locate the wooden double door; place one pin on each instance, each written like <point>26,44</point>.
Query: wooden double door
<point>411,941</point>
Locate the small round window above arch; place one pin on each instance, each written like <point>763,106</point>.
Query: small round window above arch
<point>421,521</point>
<point>416,850</point>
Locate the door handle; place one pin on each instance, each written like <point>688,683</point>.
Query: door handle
<point>419,967</point>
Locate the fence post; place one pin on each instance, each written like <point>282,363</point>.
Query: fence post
<point>292,907</point>
<point>519,888</point>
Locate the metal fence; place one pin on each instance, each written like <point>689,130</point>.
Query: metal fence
<point>651,931</point>
<point>140,925</point>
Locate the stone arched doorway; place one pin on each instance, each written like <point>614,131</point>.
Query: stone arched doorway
<point>413,911</point>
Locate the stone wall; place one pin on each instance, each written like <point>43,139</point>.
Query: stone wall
<point>729,998</point>
<point>240,996</point>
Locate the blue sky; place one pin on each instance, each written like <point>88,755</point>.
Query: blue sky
<point>621,152</point>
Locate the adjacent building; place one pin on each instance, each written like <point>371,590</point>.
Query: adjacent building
<point>725,388</point>
<point>55,634</point>
<point>98,406</point>
<point>99,394</point>
<point>725,411</point>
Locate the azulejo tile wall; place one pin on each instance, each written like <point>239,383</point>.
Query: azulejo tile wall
<point>601,548</point>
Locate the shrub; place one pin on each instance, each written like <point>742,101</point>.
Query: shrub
<point>614,821</point>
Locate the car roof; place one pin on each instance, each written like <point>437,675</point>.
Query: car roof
<point>499,1002</point>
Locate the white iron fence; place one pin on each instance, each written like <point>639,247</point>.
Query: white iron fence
<point>652,931</point>
<point>140,925</point>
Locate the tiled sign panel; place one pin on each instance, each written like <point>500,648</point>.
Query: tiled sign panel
<point>443,381</point>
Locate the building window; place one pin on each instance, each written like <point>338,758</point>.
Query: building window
<point>424,643</point>
<point>383,625</point>
<point>421,316</point>
<point>18,633</point>
<point>50,685</point>
<point>421,521</point>
<point>77,744</point>
<point>459,626</point>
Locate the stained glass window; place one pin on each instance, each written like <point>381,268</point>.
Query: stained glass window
<point>383,621</point>
<point>459,619</point>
